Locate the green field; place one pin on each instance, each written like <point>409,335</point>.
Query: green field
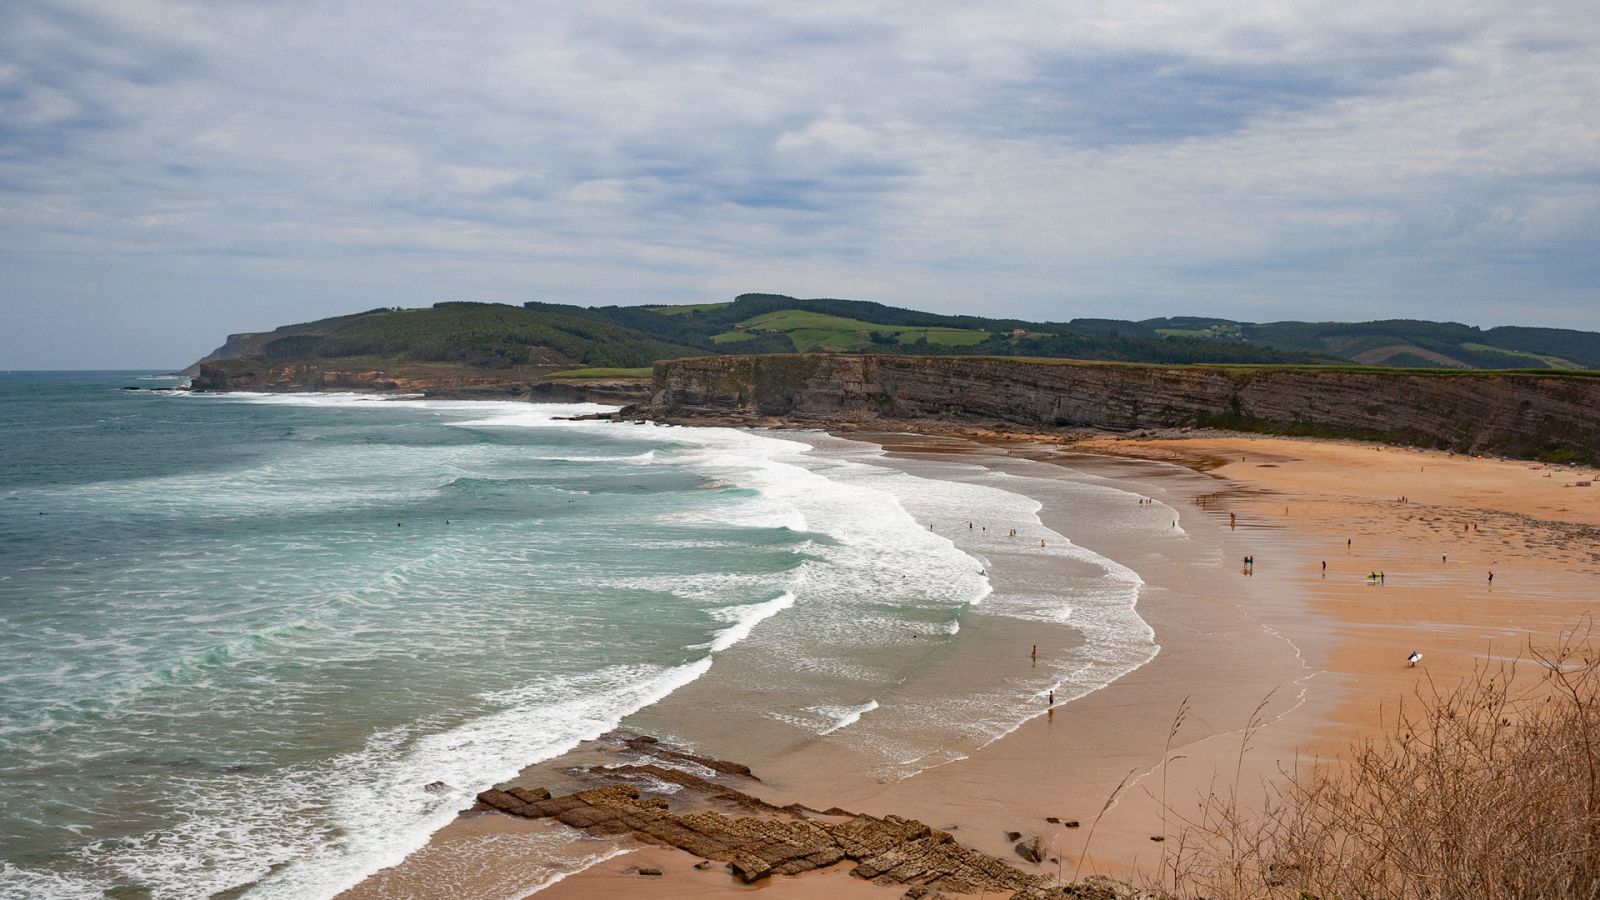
<point>1248,368</point>
<point>1554,362</point>
<point>687,308</point>
<point>1213,332</point>
<point>813,331</point>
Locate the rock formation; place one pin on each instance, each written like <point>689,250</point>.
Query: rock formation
<point>260,375</point>
<point>756,840</point>
<point>770,841</point>
<point>1518,414</point>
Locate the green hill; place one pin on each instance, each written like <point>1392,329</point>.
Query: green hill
<point>1409,342</point>
<point>541,339</point>
<point>774,323</point>
<point>478,336</point>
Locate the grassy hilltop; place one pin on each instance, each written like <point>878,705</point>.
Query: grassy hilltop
<point>544,339</point>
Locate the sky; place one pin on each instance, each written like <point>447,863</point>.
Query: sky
<point>173,172</point>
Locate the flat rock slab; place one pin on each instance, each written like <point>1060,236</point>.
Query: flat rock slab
<point>890,850</point>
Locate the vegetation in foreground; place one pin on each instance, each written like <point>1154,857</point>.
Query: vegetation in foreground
<point>1489,789</point>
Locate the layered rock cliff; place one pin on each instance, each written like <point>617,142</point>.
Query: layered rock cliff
<point>1549,416</point>
<point>260,375</point>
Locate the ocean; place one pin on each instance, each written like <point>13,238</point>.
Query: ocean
<point>278,640</point>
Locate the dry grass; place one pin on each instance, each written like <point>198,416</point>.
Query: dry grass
<point>1488,789</point>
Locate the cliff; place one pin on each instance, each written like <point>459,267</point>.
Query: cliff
<point>1528,415</point>
<point>260,375</point>
<point>235,346</point>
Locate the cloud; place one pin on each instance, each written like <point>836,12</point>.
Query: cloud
<point>225,166</point>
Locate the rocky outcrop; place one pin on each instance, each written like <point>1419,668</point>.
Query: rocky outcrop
<point>633,785</point>
<point>1031,849</point>
<point>620,391</point>
<point>261,375</point>
<point>251,375</point>
<point>888,850</point>
<point>1529,415</point>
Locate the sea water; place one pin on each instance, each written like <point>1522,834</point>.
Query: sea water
<point>278,640</point>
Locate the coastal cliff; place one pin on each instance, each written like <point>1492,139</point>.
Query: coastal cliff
<point>260,375</point>
<point>1527,415</point>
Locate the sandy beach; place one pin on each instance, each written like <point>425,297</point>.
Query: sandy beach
<point>1303,646</point>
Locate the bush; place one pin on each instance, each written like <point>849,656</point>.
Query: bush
<point>1490,789</point>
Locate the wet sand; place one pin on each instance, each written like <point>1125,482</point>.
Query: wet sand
<point>1310,657</point>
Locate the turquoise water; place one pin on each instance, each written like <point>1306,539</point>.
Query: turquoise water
<point>241,637</point>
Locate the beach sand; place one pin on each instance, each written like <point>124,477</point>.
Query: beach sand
<point>1311,657</point>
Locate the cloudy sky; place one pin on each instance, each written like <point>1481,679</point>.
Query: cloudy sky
<point>171,172</point>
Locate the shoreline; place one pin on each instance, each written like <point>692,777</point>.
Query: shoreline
<point>809,774</point>
<point>1226,639</point>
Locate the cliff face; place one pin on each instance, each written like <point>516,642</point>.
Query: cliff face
<point>1514,414</point>
<point>233,348</point>
<point>299,377</point>
<point>265,376</point>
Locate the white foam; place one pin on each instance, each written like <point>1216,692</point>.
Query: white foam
<point>637,458</point>
<point>844,717</point>
<point>1096,596</point>
<point>746,618</point>
<point>30,884</point>
<point>328,827</point>
<point>502,413</point>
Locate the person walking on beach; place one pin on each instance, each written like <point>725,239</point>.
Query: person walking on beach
<point>1052,699</point>
<point>1491,578</point>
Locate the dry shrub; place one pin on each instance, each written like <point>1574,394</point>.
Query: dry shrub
<point>1484,790</point>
